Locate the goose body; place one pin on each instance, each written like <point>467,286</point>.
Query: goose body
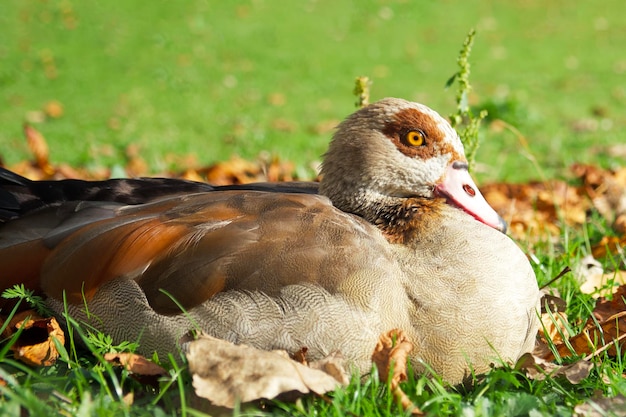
<point>396,236</point>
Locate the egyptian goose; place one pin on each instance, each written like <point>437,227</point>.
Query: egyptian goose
<point>397,236</point>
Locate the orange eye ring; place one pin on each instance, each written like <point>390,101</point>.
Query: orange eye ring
<point>415,138</point>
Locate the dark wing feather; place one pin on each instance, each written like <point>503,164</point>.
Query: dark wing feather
<point>73,236</point>
<point>19,195</point>
<point>191,247</point>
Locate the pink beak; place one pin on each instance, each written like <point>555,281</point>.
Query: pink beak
<point>459,190</point>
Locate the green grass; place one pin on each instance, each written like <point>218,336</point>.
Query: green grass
<point>213,78</point>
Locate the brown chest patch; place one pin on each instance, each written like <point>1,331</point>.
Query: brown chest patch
<point>402,223</point>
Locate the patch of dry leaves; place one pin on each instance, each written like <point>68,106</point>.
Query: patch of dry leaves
<point>538,209</point>
<point>234,171</point>
<point>225,373</point>
<point>604,331</point>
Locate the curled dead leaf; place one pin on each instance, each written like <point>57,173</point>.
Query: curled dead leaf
<point>390,357</point>
<point>39,148</point>
<point>35,346</point>
<point>225,373</point>
<point>135,364</point>
<point>140,368</point>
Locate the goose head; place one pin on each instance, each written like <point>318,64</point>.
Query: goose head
<point>395,157</point>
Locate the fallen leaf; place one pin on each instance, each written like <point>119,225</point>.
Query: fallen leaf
<point>606,189</point>
<point>537,368</point>
<point>554,326</point>
<point>140,368</point>
<point>233,171</point>
<point>300,356</point>
<point>225,373</point>
<point>594,280</point>
<point>601,406</point>
<point>333,366</point>
<point>390,357</point>
<point>136,166</point>
<point>603,332</point>
<point>53,109</point>
<point>135,364</point>
<point>129,398</point>
<point>35,345</point>
<point>610,247</point>
<point>537,209</point>
<point>607,307</point>
<point>39,148</point>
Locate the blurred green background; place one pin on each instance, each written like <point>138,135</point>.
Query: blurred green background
<point>215,78</point>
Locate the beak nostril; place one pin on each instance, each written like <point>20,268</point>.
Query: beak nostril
<point>469,190</point>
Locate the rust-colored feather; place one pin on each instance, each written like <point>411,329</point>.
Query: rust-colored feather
<point>21,264</point>
<point>103,251</point>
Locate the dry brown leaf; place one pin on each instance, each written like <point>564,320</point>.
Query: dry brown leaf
<point>35,346</point>
<point>191,175</point>
<point>129,398</point>
<point>225,373</point>
<point>607,191</point>
<point>607,307</point>
<point>594,340</point>
<point>538,368</point>
<point>610,246</point>
<point>233,171</point>
<point>39,148</point>
<point>390,357</point>
<point>135,364</point>
<point>136,166</point>
<point>601,406</point>
<point>300,356</point>
<point>603,332</point>
<point>594,280</point>
<point>140,368</point>
<point>333,366</point>
<point>554,327</point>
<point>537,208</point>
<point>53,109</point>
<point>275,170</point>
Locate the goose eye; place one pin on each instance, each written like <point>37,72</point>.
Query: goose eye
<point>415,138</point>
